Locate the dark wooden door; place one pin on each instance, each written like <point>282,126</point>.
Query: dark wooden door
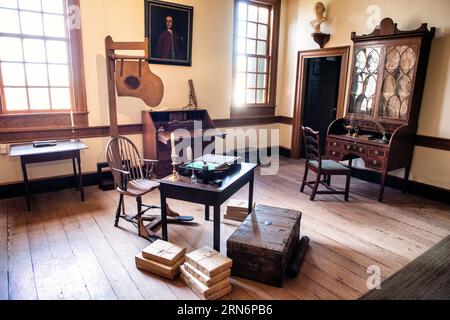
<point>321,94</point>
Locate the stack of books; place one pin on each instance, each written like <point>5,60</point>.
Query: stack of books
<point>161,258</point>
<point>237,210</point>
<point>207,273</point>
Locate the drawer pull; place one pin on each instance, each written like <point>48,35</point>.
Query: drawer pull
<point>334,144</point>
<point>360,149</point>
<point>333,153</point>
<point>348,147</point>
<point>376,152</point>
<point>374,162</point>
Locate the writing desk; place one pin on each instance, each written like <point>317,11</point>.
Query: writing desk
<point>187,190</point>
<point>61,151</point>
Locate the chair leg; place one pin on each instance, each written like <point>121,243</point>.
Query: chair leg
<point>316,186</point>
<point>305,175</point>
<point>329,180</point>
<point>347,186</point>
<point>119,208</point>
<point>141,226</point>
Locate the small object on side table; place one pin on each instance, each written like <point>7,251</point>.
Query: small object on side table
<point>43,144</point>
<point>205,173</point>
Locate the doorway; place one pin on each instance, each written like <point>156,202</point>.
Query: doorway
<point>320,93</point>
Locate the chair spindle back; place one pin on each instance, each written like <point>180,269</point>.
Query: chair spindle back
<point>311,140</point>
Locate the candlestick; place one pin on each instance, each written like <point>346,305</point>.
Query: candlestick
<point>72,125</point>
<point>175,176</point>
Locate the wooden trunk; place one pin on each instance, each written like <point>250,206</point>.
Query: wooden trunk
<point>263,244</point>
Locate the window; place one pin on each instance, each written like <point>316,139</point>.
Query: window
<point>255,48</point>
<point>38,52</point>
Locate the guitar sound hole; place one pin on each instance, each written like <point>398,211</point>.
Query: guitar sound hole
<point>132,82</point>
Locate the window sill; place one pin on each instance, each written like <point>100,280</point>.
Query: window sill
<point>45,120</point>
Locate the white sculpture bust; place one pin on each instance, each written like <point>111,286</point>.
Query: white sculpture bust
<point>319,10</point>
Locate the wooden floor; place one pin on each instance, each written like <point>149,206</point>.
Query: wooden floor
<point>67,249</point>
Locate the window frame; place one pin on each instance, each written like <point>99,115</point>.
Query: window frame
<point>266,109</point>
<point>55,118</point>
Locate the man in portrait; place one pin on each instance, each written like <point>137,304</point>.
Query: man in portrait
<point>168,46</point>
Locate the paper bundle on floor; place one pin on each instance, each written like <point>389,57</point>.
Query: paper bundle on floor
<point>161,258</point>
<point>207,273</point>
<point>237,210</point>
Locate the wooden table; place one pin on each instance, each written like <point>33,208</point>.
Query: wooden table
<point>61,151</point>
<point>186,190</point>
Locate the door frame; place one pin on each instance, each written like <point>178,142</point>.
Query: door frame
<point>342,52</point>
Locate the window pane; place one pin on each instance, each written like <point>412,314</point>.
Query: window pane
<point>260,96</point>
<point>59,75</point>
<point>252,64</point>
<point>240,80</point>
<point>242,11</point>
<point>53,6</point>
<point>252,13</point>
<point>31,23</point>
<point>61,98</point>
<point>13,74</point>
<point>241,64</point>
<point>251,96</point>
<point>8,4</point>
<point>54,26</point>
<point>9,21</point>
<point>262,65</point>
<point>16,99</point>
<point>262,32</point>
<point>251,80</point>
<point>263,15</point>
<point>34,5</point>
<point>261,80</point>
<point>57,51</point>
<point>10,49</point>
<point>251,47</point>
<point>262,49</point>
<point>242,29</point>
<point>251,30</point>
<point>39,99</point>
<point>241,45</point>
<point>34,50</point>
<point>36,74</point>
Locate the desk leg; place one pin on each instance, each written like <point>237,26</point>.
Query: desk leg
<point>383,182</point>
<point>207,212</point>
<point>80,176</point>
<point>217,227</point>
<point>164,217</point>
<point>250,193</point>
<point>25,182</point>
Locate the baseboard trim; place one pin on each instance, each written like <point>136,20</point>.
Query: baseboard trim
<point>91,179</point>
<point>413,187</point>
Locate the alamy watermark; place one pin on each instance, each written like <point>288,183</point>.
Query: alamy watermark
<point>374,279</point>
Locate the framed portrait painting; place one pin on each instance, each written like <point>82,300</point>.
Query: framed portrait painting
<point>169,29</point>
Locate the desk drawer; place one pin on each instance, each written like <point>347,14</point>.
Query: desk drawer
<point>334,154</point>
<point>361,150</point>
<point>377,153</point>
<point>334,144</point>
<point>376,164</point>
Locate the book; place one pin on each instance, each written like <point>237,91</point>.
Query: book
<point>214,292</point>
<point>157,268</point>
<point>207,281</point>
<point>163,252</point>
<point>209,261</point>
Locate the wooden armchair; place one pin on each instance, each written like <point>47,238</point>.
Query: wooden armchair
<point>326,168</point>
<point>132,177</point>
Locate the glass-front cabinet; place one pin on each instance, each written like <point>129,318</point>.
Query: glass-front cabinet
<point>384,99</point>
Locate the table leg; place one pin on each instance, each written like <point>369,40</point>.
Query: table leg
<point>75,175</point>
<point>217,227</point>
<point>25,182</point>
<point>250,193</point>
<point>207,212</point>
<point>80,176</point>
<point>164,217</point>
